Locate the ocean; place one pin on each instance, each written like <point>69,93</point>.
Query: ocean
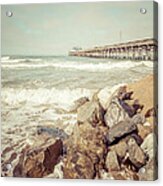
<point>41,90</point>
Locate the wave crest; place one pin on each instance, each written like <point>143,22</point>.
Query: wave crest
<point>62,98</point>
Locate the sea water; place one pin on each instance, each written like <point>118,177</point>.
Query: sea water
<point>41,90</point>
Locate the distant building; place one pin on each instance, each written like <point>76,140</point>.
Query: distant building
<point>74,50</point>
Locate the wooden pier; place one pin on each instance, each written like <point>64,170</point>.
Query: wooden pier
<point>145,49</point>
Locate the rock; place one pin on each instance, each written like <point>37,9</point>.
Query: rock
<point>118,131</point>
<point>78,103</point>
<point>149,145</point>
<point>111,162</point>
<point>138,119</point>
<point>91,112</point>
<point>39,162</point>
<point>78,166</point>
<point>51,155</point>
<point>143,131</point>
<point>52,131</point>
<point>123,128</point>
<point>18,170</point>
<point>148,172</point>
<point>136,154</point>
<point>58,172</point>
<point>124,174</point>
<point>106,94</point>
<point>69,128</point>
<point>86,145</point>
<point>105,175</point>
<point>115,113</point>
<point>120,149</point>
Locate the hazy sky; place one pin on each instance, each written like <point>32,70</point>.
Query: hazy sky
<point>53,29</point>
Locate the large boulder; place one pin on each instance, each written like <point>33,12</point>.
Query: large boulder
<point>39,162</point>
<point>88,142</point>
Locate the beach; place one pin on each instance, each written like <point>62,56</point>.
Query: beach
<point>63,104</point>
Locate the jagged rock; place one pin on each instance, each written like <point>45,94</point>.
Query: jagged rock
<point>52,131</point>
<point>149,145</point>
<point>143,131</point>
<point>91,112</point>
<point>39,162</point>
<point>115,113</point>
<point>148,172</point>
<point>123,128</point>
<point>136,154</point>
<point>111,162</point>
<point>88,142</point>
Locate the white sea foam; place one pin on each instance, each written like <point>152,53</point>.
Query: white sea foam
<point>62,98</point>
<point>103,66</point>
<point>149,64</point>
<point>9,61</point>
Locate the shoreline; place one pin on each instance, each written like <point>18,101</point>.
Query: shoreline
<point>95,144</point>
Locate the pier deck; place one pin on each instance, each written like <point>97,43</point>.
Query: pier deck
<point>145,49</point>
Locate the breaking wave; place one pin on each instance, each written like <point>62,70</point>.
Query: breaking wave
<point>89,66</point>
<point>7,60</point>
<point>63,98</point>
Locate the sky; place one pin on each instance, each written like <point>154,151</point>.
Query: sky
<point>54,29</point>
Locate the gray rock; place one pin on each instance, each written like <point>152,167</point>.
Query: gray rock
<point>136,154</point>
<point>149,145</point>
<point>123,128</point>
<point>111,162</point>
<point>92,112</point>
<point>54,132</point>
